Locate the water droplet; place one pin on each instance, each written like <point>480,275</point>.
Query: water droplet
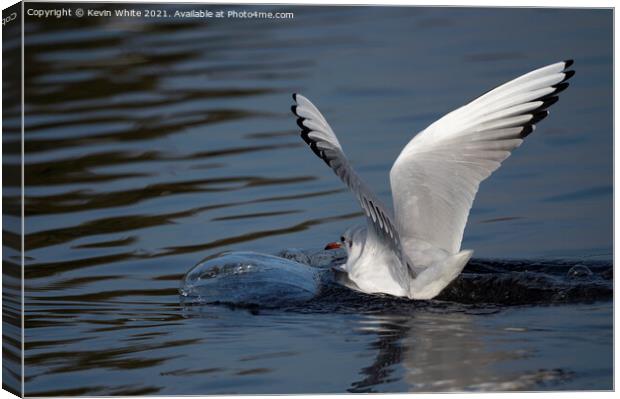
<point>579,271</point>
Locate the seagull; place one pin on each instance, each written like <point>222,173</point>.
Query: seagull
<point>415,251</point>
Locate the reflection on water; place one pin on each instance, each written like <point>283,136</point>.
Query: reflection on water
<point>458,352</point>
<point>151,144</point>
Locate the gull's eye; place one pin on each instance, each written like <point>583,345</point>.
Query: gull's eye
<point>341,238</point>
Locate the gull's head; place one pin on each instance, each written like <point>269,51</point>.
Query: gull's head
<point>352,240</point>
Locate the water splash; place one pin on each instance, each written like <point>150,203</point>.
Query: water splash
<point>303,277</point>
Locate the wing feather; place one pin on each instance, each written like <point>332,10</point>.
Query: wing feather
<point>320,137</point>
<point>436,177</point>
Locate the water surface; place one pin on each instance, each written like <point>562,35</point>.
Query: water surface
<point>152,144</point>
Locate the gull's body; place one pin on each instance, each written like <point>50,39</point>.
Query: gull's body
<point>415,251</point>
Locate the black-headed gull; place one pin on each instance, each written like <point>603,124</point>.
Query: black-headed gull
<point>415,251</point>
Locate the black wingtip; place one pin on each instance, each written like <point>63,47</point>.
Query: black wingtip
<point>568,75</point>
<point>294,110</point>
<point>295,97</point>
<point>538,117</point>
<point>527,130</point>
<point>568,63</point>
<point>300,123</point>
<point>559,88</point>
<point>549,101</point>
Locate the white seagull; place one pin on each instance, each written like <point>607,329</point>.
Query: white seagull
<point>415,251</point>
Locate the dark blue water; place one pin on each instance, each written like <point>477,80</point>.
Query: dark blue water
<point>152,144</point>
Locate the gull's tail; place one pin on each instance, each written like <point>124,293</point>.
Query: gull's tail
<point>430,282</point>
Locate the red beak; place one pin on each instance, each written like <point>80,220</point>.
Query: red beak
<point>333,245</point>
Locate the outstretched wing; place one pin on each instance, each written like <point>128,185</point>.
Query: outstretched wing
<point>317,133</point>
<point>436,176</point>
